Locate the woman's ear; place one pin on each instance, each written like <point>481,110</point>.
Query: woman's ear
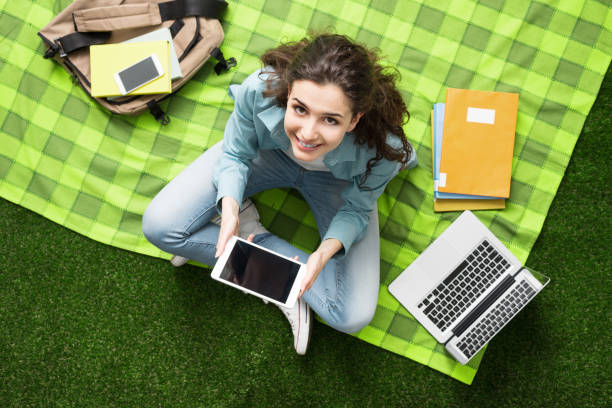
<point>354,121</point>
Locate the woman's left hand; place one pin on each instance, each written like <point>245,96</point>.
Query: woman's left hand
<point>317,260</point>
<point>313,268</point>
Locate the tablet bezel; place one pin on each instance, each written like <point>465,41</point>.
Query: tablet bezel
<point>222,260</point>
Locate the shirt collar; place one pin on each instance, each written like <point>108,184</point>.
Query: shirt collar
<point>346,151</point>
<point>273,119</point>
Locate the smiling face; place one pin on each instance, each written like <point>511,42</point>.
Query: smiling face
<point>317,118</point>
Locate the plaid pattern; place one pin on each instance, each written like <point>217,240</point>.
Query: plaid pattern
<point>64,157</point>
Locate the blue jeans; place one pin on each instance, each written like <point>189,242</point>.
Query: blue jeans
<point>178,221</point>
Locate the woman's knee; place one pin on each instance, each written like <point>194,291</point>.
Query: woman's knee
<point>158,228</point>
<point>153,226</point>
<point>353,319</point>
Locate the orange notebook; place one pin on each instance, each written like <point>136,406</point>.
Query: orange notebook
<point>442,205</point>
<point>479,129</point>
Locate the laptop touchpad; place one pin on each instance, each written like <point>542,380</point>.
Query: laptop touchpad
<point>440,259</point>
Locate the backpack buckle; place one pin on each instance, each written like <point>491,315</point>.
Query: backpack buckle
<point>158,113</point>
<point>59,47</point>
<point>223,64</point>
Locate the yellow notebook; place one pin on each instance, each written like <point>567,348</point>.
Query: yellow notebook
<point>479,129</point>
<point>108,59</point>
<point>442,205</point>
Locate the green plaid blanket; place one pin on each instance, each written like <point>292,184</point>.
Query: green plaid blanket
<point>64,157</point>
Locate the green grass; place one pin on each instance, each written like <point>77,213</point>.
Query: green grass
<point>85,324</point>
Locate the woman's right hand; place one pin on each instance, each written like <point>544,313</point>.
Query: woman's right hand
<point>229,222</point>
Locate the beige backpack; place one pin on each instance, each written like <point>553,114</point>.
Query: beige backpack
<point>194,25</point>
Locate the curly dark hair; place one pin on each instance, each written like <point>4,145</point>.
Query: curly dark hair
<point>355,69</point>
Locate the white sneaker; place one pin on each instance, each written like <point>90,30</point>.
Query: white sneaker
<point>249,224</point>
<point>248,220</point>
<point>178,260</point>
<point>300,319</point>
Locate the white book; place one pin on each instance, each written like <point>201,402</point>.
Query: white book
<point>161,35</point>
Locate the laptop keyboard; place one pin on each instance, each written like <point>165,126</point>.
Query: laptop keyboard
<point>493,321</point>
<point>468,281</point>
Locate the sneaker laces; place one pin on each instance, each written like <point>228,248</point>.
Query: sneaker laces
<point>292,322</point>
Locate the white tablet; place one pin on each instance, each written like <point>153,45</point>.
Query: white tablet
<point>260,272</point>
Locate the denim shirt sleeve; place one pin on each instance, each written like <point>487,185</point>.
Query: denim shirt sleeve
<point>240,140</point>
<point>351,221</point>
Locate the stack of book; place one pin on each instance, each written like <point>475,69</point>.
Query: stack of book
<point>473,143</point>
<point>107,60</point>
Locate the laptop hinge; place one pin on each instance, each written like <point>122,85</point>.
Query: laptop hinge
<point>483,306</point>
<point>518,271</point>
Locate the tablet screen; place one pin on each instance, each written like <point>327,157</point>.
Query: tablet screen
<point>260,271</point>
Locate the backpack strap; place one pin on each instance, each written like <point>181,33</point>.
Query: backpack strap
<point>173,10</point>
<point>93,25</point>
<point>148,14</point>
<point>75,41</point>
<point>176,27</point>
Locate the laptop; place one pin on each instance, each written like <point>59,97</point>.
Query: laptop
<point>465,287</point>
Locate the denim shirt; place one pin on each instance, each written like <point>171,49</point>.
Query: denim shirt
<point>258,123</point>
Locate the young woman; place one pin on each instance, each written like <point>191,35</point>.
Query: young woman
<point>323,117</point>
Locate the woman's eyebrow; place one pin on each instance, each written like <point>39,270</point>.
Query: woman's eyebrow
<point>324,113</point>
